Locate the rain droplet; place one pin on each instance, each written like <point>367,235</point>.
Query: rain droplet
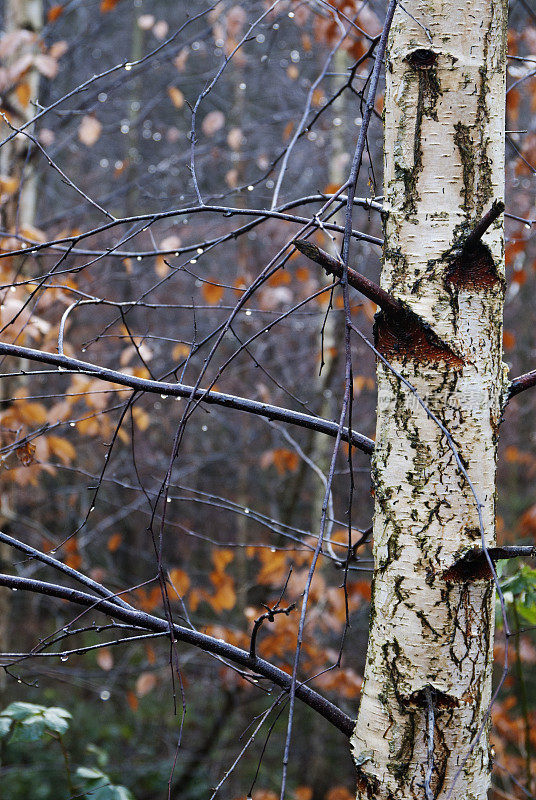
<point>64,658</point>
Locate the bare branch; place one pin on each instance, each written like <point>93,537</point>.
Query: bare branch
<point>207,643</point>
<point>481,227</point>
<point>181,390</point>
<point>523,382</point>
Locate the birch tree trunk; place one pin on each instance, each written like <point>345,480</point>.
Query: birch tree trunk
<point>17,213</point>
<point>428,675</point>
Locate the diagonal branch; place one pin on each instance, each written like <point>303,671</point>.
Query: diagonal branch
<point>207,643</point>
<point>483,224</point>
<point>334,267</point>
<point>182,390</point>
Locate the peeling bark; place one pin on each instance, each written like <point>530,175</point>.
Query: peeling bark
<point>431,637</point>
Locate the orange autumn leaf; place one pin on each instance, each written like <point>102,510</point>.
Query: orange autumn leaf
<point>519,277</point>
<point>149,600</point>
<point>509,340</point>
<point>221,558</point>
<point>179,581</point>
<point>289,127</point>
<point>212,294</point>
<point>32,413</point>
<point>26,453</point>
<point>180,351</point>
<point>114,542</point>
<point>160,267</point>
<point>61,448</point>
<point>285,460</point>
<point>176,96</point>
<point>303,793</point>
<point>274,569</point>
<point>528,521</point>
<point>141,418</point>
<point>54,12</point>
<point>8,184</point>
<point>107,5</point>
<point>361,588</point>
<point>132,701</point>
<point>279,278</point>
<point>23,93</point>
<point>224,599</point>
<point>339,793</point>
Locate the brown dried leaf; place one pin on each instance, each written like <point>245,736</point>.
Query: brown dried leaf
<point>212,294</point>
<point>26,453</point>
<point>47,65</point>
<point>90,130</point>
<point>145,683</point>
<point>105,659</point>
<point>176,96</point>
<point>213,122</point>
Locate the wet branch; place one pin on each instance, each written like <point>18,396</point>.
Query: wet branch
<point>474,565</point>
<point>523,382</point>
<point>209,644</point>
<point>182,390</point>
<point>481,227</point>
<point>334,267</point>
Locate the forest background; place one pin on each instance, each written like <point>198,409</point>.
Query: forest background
<point>213,134</point>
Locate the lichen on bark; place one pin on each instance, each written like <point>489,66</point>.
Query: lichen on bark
<point>444,164</point>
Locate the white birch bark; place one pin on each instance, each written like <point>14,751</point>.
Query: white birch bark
<point>444,166</point>
<point>17,212</point>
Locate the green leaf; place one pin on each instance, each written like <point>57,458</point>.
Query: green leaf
<point>528,612</point>
<point>100,754</point>
<point>29,730</point>
<point>21,711</point>
<point>5,726</point>
<point>91,774</point>
<point>57,719</point>
<point>101,786</point>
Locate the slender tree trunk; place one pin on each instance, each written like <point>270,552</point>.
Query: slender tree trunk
<point>17,213</point>
<point>428,675</point>
<point>20,210</point>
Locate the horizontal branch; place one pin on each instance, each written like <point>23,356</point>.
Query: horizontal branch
<point>523,382</point>
<point>201,640</point>
<point>474,565</point>
<point>181,390</point>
